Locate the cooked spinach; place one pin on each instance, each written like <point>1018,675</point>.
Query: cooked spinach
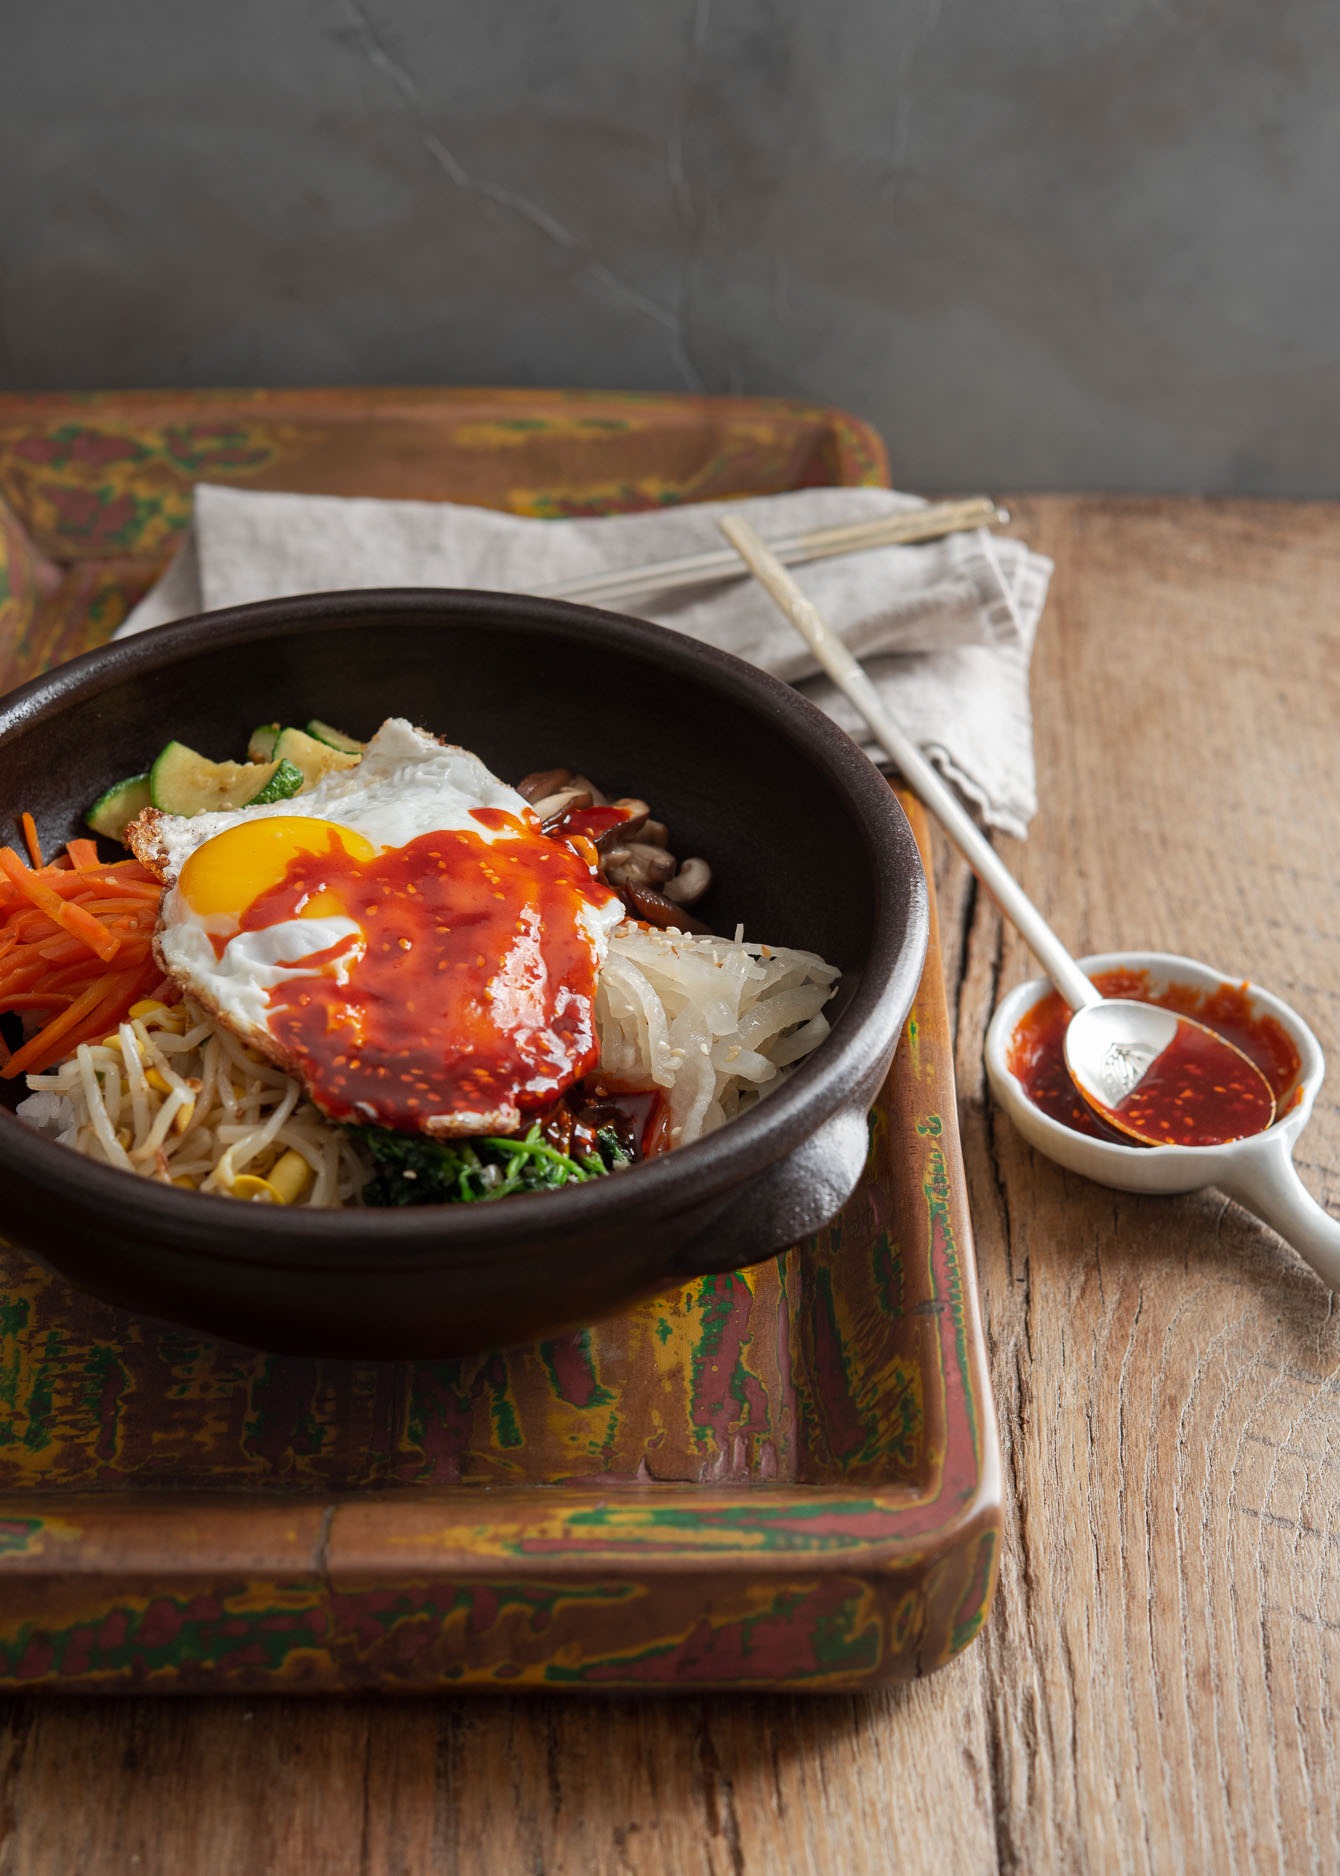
<point>411,1169</point>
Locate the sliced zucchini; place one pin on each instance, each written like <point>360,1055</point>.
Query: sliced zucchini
<point>182,781</point>
<point>261,748</point>
<point>315,759</point>
<point>327,733</point>
<point>112,813</point>
<point>282,785</point>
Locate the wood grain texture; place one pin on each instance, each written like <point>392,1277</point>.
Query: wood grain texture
<point>1156,1688</point>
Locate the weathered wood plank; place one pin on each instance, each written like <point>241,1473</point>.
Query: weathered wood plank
<point>1157,1686</point>
<point>1159,1675</point>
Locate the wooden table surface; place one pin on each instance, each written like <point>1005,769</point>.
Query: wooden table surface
<point>1156,1688</point>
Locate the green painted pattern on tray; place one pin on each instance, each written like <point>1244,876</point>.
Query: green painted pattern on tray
<point>977,1597</point>
<point>570,1365</point>
<point>502,1405</point>
<point>194,450</point>
<point>817,1633</point>
<point>814,1632</point>
<point>98,488</point>
<point>944,1246</point>
<point>107,517</point>
<point>884,1418</point>
<point>886,1261</point>
<point>27,1392</point>
<point>20,1535</point>
<point>861,1406</point>
<point>820,1524</point>
<point>370,1614</point>
<point>161,1634</point>
<point>14,1313</point>
<point>719,1374</point>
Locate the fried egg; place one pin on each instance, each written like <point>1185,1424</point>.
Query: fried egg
<point>403,937</point>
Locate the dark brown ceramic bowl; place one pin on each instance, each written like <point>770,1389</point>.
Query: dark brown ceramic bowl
<point>809,848</point>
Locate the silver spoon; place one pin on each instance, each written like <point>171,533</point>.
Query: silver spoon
<point>1158,1077</point>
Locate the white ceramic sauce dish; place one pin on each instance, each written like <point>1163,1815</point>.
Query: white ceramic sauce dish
<point>1258,1172</point>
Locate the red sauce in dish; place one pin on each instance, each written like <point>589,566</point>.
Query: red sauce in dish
<point>1037,1060</point>
<point>476,987</point>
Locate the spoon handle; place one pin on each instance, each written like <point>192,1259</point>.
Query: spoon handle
<point>1267,1183</point>
<point>852,681</point>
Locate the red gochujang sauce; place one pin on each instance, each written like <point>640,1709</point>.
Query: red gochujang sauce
<point>639,1117</point>
<point>1037,1054</point>
<point>476,985</point>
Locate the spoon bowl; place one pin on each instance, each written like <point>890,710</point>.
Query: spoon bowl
<point>1163,1078</point>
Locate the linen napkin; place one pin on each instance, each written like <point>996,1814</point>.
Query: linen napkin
<point>945,628</point>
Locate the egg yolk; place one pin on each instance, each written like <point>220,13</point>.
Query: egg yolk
<point>228,873</point>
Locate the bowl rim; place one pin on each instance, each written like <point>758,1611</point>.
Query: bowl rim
<point>690,1175</point>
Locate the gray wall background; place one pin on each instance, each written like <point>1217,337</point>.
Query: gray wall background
<point>1048,243</point>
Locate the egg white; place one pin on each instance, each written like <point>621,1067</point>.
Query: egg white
<point>407,784</point>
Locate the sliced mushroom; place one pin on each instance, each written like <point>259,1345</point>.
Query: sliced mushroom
<point>656,834</point>
<point>656,909</point>
<point>633,863</point>
<point>584,781</point>
<point>544,782</point>
<point>552,808</point>
<point>689,883</point>
<point>638,816</point>
<point>616,836</point>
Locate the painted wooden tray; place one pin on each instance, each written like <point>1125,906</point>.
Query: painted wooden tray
<point>787,1477</point>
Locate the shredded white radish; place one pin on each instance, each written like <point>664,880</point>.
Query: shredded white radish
<point>712,1021</point>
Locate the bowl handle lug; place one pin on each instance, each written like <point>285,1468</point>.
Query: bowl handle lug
<point>787,1201</point>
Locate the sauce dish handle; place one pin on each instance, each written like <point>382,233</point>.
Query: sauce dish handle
<point>1266,1181</point>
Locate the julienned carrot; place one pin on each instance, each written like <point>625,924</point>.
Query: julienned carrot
<point>117,875</point>
<point>62,956</point>
<point>120,989</point>
<point>51,1037</point>
<point>30,841</point>
<point>119,906</point>
<point>81,887</point>
<point>87,1019</point>
<point>60,925</point>
<point>79,923</point>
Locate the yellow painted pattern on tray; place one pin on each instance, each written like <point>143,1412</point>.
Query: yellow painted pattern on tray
<point>519,433</point>
<point>91,1398</point>
<point>87,490</point>
<point>157,1637</point>
<point>805,1631</point>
